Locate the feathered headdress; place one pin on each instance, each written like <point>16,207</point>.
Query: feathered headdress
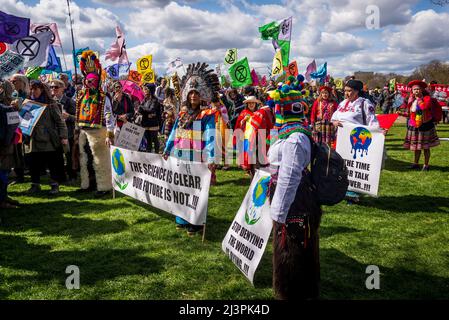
<point>90,63</point>
<point>198,78</point>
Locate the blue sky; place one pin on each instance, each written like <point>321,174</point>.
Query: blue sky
<point>412,32</point>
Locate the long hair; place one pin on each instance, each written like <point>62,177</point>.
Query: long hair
<point>47,98</point>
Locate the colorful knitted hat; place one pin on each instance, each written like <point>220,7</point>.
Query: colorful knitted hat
<point>290,109</point>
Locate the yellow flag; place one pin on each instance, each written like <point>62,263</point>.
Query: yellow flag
<point>339,83</point>
<point>148,76</point>
<point>144,64</point>
<point>277,68</point>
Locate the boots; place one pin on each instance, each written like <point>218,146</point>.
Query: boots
<point>54,189</point>
<point>35,188</point>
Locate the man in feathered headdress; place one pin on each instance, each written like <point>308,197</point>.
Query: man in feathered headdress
<point>96,123</point>
<point>197,128</point>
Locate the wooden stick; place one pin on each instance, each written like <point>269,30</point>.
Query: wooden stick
<point>204,232</point>
<point>113,193</point>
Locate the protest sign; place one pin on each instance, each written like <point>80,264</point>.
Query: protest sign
<point>130,136</point>
<point>30,113</point>
<point>240,73</point>
<point>10,63</point>
<point>174,186</point>
<point>248,235</point>
<point>144,64</point>
<point>362,149</point>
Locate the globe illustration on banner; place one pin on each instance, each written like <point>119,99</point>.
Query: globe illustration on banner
<point>259,197</point>
<point>260,192</point>
<point>361,139</point>
<point>118,162</point>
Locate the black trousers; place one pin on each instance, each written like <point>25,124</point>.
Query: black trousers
<point>69,163</point>
<point>152,139</point>
<point>54,160</point>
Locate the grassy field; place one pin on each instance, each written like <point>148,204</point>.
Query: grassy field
<point>127,250</point>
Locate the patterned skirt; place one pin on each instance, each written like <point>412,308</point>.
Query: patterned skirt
<point>324,132</point>
<point>419,139</point>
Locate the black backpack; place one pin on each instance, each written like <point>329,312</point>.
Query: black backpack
<point>329,174</point>
<point>7,131</point>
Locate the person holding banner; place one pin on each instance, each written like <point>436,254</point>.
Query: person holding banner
<point>354,109</point>
<point>196,131</point>
<point>421,132</point>
<point>45,145</point>
<point>294,210</point>
<point>322,110</point>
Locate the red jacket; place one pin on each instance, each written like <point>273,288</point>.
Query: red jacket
<point>426,107</point>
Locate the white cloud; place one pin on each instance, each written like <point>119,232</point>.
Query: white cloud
<point>426,31</point>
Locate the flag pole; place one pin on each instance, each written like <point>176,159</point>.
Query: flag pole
<point>73,40</point>
<point>63,56</point>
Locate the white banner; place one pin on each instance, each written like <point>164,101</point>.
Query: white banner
<point>248,235</point>
<point>362,148</point>
<point>130,136</point>
<point>174,186</point>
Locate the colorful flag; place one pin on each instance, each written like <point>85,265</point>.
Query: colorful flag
<point>42,27</point>
<point>240,73</point>
<point>392,84</point>
<point>321,73</point>
<point>254,78</point>
<point>263,82</point>
<point>77,56</point>
<point>339,83</point>
<point>134,76</point>
<point>292,69</point>
<point>34,49</point>
<point>10,63</point>
<point>53,62</point>
<point>175,64</point>
<point>277,68</point>
<point>269,31</point>
<point>148,76</point>
<point>280,32</point>
<point>118,48</point>
<point>13,28</point>
<point>231,56</point>
<point>144,64</point>
<point>310,69</point>
<point>33,72</point>
<point>3,47</point>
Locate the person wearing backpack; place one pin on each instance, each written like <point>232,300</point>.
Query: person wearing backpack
<point>295,212</point>
<point>357,110</point>
<point>421,132</point>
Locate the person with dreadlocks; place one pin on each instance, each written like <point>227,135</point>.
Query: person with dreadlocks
<point>96,123</point>
<point>296,215</point>
<point>199,86</point>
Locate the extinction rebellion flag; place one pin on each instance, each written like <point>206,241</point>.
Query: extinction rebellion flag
<point>240,73</point>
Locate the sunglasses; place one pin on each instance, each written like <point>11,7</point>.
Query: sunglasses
<point>54,87</point>
<point>90,81</point>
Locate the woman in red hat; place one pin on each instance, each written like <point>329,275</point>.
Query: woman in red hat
<point>322,110</point>
<point>421,133</point>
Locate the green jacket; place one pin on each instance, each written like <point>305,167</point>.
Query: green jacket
<point>48,132</point>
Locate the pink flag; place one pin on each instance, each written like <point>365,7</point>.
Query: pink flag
<point>255,78</point>
<point>310,68</point>
<point>263,82</point>
<point>118,48</point>
<point>55,40</point>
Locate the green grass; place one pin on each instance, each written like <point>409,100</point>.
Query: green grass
<point>127,250</point>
